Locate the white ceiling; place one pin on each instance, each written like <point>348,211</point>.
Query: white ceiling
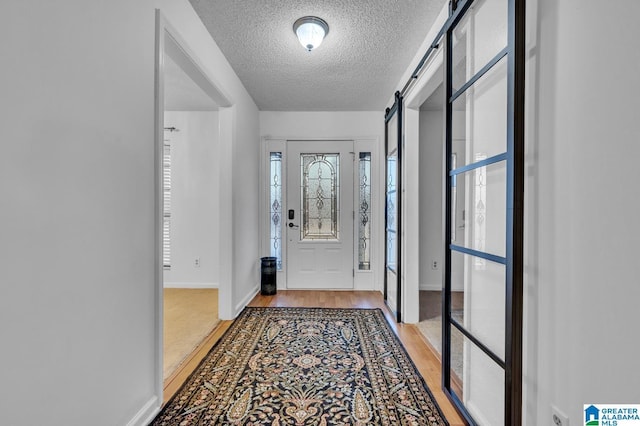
<point>369,46</point>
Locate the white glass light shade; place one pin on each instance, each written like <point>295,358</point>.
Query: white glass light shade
<point>310,31</point>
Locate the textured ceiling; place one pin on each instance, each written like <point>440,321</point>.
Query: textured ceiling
<point>369,46</point>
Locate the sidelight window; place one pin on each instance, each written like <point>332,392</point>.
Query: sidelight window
<point>275,203</point>
<point>364,211</point>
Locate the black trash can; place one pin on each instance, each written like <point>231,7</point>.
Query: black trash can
<point>268,275</point>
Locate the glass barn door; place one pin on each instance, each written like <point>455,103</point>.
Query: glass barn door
<point>482,349</point>
<point>393,209</point>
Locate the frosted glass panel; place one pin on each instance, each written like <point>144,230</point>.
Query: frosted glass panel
<point>275,203</point>
<point>477,380</point>
<point>479,36</point>
<point>364,211</point>
<point>320,201</point>
<point>483,201</point>
<point>480,116</point>
<point>483,309</point>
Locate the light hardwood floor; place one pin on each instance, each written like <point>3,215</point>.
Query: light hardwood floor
<point>421,353</point>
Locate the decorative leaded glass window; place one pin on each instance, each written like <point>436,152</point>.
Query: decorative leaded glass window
<point>364,211</point>
<point>275,210</point>
<point>392,198</point>
<point>320,203</point>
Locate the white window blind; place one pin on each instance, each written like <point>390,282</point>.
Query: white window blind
<point>166,225</point>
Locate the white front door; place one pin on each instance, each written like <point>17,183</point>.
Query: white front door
<point>319,214</point>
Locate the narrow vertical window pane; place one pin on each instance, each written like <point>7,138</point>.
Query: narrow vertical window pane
<point>392,198</point>
<point>480,380</point>
<point>479,116</point>
<point>479,36</point>
<point>364,210</point>
<point>454,196</point>
<point>275,211</point>
<point>320,203</point>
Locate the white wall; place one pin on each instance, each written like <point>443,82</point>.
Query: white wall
<point>77,244</point>
<point>245,200</point>
<point>78,309</point>
<point>581,282</point>
<point>195,209</point>
<point>431,174</point>
<point>329,124</point>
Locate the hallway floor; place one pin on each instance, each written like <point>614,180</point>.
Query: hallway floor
<point>189,317</point>
<point>421,353</point>
<point>430,315</point>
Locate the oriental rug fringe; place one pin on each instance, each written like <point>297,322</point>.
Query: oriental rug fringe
<point>305,366</point>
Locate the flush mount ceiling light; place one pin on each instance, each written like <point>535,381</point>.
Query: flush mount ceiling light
<point>310,30</point>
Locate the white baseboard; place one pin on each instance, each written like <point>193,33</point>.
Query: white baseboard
<point>364,281</point>
<point>436,287</point>
<point>431,287</point>
<point>244,302</point>
<point>147,413</point>
<point>190,285</point>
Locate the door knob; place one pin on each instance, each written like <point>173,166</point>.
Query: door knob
<point>292,225</point>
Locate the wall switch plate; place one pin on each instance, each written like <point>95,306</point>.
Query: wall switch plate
<point>558,417</point>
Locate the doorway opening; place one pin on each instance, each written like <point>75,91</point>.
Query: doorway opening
<point>431,142</point>
<point>190,221</point>
<point>188,140</point>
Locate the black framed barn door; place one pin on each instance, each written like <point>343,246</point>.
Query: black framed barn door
<point>484,89</point>
<point>393,207</point>
<point>482,330</point>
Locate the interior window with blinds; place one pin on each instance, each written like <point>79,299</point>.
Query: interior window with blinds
<point>166,210</point>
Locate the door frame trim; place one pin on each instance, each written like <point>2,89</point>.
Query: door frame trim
<point>187,59</point>
<point>431,76</point>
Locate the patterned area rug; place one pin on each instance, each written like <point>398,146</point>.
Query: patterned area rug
<point>305,366</point>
